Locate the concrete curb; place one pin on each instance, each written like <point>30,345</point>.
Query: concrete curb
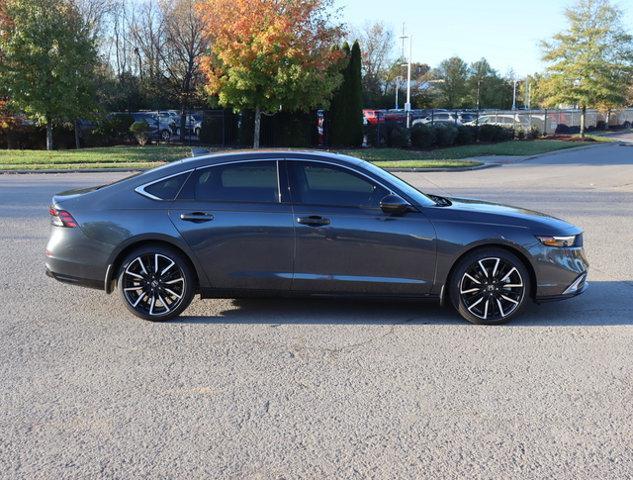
<point>447,169</point>
<point>73,170</point>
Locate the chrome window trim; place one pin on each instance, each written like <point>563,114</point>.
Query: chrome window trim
<point>141,188</point>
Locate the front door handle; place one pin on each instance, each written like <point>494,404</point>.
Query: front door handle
<point>314,221</point>
<point>197,217</point>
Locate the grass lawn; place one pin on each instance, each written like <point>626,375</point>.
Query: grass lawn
<point>532,147</point>
<point>150,156</point>
<point>106,157</point>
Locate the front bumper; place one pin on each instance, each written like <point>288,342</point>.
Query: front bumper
<point>578,286</point>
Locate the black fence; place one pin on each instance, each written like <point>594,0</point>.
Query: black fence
<point>226,129</point>
<point>545,121</point>
<point>214,128</point>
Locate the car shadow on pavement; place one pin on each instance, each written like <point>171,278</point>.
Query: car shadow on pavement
<point>605,303</point>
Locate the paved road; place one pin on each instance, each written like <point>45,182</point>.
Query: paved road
<point>325,389</point>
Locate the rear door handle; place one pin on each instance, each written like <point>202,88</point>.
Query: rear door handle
<point>197,217</point>
<point>314,221</point>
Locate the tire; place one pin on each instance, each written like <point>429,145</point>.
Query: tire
<point>156,297</point>
<point>489,286</point>
<point>165,135</point>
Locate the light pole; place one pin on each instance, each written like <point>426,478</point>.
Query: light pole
<point>514,94</point>
<point>407,105</point>
<point>397,80</point>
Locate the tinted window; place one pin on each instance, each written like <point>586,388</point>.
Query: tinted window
<point>238,182</point>
<point>321,184</point>
<point>167,189</point>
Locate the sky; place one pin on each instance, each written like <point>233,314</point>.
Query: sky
<point>506,32</point>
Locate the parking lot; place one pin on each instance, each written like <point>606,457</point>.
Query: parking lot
<point>322,388</point>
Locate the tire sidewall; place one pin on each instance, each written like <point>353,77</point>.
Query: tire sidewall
<point>183,264</point>
<point>469,259</point>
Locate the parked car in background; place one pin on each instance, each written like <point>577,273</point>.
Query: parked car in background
<point>151,119</point>
<point>167,121</point>
<point>516,121</point>
<point>466,117</point>
<point>193,125</point>
<point>439,117</point>
<point>373,117</point>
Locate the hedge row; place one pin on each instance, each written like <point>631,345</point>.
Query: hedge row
<point>426,136</point>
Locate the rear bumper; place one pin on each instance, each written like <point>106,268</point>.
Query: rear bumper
<point>83,282</point>
<point>73,258</point>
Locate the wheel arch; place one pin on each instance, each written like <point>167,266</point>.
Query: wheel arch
<point>117,257</point>
<point>504,246</point>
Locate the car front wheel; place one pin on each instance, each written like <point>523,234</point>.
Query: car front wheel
<point>489,286</point>
<point>156,283</point>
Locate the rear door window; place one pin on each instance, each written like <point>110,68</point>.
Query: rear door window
<point>250,182</point>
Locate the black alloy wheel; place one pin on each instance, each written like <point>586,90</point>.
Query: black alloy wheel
<point>490,286</point>
<point>156,283</point>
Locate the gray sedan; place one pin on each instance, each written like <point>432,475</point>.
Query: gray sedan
<point>305,223</point>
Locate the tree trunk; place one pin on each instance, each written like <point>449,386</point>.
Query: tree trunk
<point>583,121</point>
<point>258,119</point>
<point>49,134</point>
<point>77,141</point>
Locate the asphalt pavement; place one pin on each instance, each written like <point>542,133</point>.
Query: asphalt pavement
<point>285,389</point>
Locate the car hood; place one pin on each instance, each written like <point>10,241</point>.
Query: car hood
<point>480,211</point>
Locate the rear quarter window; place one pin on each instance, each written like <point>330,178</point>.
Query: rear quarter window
<point>168,188</point>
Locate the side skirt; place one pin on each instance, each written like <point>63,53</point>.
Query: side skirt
<point>243,293</point>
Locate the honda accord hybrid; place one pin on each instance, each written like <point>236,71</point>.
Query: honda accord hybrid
<point>278,223</point>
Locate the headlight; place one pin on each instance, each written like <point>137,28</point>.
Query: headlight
<point>567,241</point>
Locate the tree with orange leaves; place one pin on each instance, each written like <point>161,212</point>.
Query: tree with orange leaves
<point>268,55</point>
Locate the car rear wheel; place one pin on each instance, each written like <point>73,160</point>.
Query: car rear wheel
<point>156,283</point>
<point>489,286</point>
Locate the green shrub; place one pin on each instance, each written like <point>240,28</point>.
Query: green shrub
<point>396,135</point>
<point>375,135</point>
<point>445,135</point>
<point>422,136</point>
<point>520,134</point>
<point>533,133</point>
<point>113,129</point>
<point>140,130</point>
<point>466,134</point>
<point>495,133</point>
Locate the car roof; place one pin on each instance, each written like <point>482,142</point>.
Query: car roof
<point>241,155</point>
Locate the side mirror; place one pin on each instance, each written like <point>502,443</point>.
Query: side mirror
<point>394,205</point>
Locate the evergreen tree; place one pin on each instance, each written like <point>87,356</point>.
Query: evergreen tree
<point>345,115</point>
<point>355,102</point>
<point>338,105</point>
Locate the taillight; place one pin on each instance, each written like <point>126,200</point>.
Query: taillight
<point>62,218</point>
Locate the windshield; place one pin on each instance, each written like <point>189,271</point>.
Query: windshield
<point>416,195</point>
